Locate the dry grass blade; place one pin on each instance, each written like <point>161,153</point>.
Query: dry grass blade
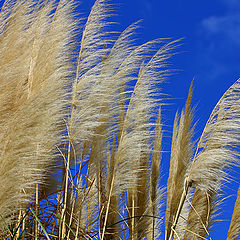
<point>155,172</point>
<point>234,228</point>
<point>200,215</point>
<point>173,168</point>
<point>179,164</point>
<point>142,193</point>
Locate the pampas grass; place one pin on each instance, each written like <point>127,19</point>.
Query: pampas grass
<point>81,133</point>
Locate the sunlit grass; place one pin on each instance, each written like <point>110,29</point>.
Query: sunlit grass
<point>81,133</point>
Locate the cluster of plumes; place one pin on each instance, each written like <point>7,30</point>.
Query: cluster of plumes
<point>35,40</point>
<point>202,173</point>
<point>92,108</point>
<point>89,112</point>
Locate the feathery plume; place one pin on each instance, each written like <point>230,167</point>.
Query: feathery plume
<point>32,100</point>
<point>179,163</point>
<point>234,228</point>
<point>216,148</point>
<point>155,171</point>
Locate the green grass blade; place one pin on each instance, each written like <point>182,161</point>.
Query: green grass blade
<point>44,230</point>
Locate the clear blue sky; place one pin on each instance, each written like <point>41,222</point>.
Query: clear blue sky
<point>210,53</point>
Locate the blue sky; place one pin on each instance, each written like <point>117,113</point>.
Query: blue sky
<point>209,54</point>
